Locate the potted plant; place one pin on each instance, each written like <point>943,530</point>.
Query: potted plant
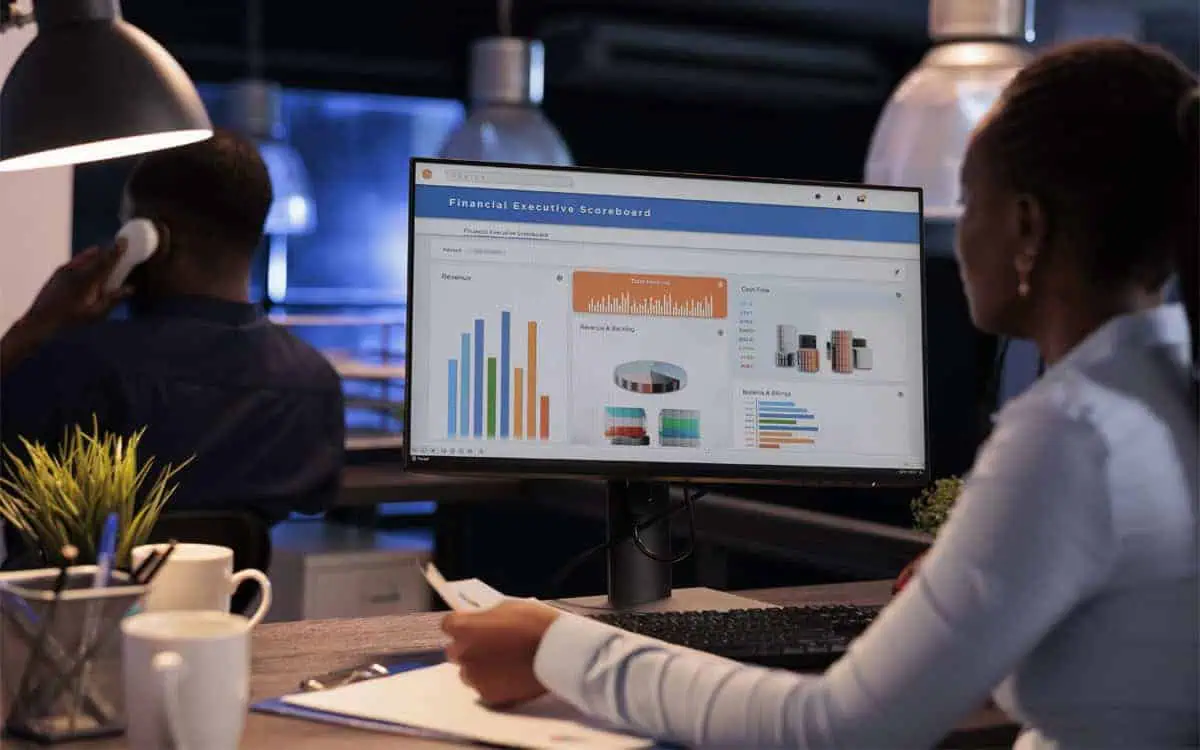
<point>930,510</point>
<point>63,498</point>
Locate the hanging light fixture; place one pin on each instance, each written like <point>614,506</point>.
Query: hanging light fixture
<point>920,140</point>
<point>258,112</point>
<point>505,122</point>
<point>91,86</point>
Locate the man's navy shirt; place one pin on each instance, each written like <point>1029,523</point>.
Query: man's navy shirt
<point>261,411</point>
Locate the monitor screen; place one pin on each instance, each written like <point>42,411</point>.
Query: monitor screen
<point>622,324</point>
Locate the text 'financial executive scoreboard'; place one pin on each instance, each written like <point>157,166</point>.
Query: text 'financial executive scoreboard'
<point>488,395</point>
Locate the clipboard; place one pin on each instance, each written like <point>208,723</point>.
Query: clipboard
<point>279,707</point>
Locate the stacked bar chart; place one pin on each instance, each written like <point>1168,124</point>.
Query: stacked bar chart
<point>489,397</point>
<point>625,425</point>
<point>779,425</point>
<point>679,428</point>
<point>652,295</point>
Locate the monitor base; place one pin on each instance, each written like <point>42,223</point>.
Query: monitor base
<point>680,600</point>
<point>635,578</point>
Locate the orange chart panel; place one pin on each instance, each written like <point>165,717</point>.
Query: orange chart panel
<point>649,294</point>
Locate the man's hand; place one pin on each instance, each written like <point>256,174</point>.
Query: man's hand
<point>495,649</point>
<point>75,293</point>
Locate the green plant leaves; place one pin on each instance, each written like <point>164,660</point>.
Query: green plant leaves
<point>55,499</point>
<point>932,507</point>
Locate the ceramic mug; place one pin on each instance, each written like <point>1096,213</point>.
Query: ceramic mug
<point>199,577</point>
<point>187,679</point>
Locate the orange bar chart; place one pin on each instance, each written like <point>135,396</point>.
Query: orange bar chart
<point>656,295</point>
<point>544,431</point>
<point>518,403</point>
<point>531,369</point>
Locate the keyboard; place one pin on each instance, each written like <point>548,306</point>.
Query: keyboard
<point>800,639</point>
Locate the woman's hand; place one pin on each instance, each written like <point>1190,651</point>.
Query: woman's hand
<point>495,649</point>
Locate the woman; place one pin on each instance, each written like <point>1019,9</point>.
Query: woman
<point>1066,579</point>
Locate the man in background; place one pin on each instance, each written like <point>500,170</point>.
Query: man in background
<point>195,363</point>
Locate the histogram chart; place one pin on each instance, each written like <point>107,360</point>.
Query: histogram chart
<point>778,425</point>
<point>649,295</point>
<point>492,396</point>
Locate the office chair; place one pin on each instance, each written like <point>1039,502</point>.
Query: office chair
<point>245,533</point>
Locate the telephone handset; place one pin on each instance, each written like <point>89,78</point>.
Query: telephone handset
<point>140,238</point>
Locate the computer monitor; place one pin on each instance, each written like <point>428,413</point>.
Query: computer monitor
<point>569,321</point>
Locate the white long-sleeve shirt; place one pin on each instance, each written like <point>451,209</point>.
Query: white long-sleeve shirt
<point>1065,583</point>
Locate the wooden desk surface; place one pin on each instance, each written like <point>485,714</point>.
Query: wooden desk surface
<point>286,653</point>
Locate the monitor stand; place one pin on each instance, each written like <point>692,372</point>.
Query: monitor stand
<point>634,578</point>
<point>638,582</point>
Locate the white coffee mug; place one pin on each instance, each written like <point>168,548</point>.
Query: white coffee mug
<point>199,577</point>
<point>187,679</point>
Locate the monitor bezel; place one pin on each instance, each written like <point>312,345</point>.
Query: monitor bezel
<point>712,473</point>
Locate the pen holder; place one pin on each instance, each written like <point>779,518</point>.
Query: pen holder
<point>60,655</point>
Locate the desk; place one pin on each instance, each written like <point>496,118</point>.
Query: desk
<point>390,482</point>
<point>286,653</point>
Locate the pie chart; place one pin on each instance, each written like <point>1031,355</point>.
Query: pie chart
<point>649,376</point>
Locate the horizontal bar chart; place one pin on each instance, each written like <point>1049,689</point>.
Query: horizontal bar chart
<point>775,425</point>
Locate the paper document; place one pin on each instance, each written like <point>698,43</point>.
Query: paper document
<point>435,699</point>
<point>468,595</point>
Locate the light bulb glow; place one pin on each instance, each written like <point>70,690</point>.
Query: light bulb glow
<point>111,148</point>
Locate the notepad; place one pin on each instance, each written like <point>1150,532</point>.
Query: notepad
<point>434,699</point>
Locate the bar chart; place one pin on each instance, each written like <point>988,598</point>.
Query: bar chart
<point>679,428</point>
<point>652,295</point>
<point>778,425</point>
<point>492,390</point>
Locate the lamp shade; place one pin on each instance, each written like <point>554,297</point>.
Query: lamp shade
<point>257,109</point>
<point>293,210</point>
<point>91,86</point>
<point>504,122</point>
<point>922,134</point>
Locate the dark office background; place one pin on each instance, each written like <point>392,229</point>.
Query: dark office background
<point>781,88</point>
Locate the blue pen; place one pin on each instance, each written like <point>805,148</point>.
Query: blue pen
<point>105,554</point>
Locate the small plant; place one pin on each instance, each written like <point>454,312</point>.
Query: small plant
<point>931,508</point>
<point>58,499</point>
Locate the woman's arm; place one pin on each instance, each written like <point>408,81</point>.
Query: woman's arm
<point>1029,540</point>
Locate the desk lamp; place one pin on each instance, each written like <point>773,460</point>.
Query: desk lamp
<point>91,86</point>
<point>505,122</point>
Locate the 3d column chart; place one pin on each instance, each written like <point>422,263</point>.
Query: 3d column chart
<point>799,351</point>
